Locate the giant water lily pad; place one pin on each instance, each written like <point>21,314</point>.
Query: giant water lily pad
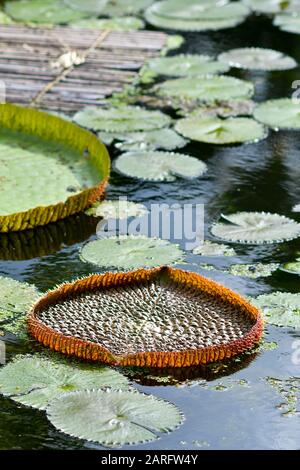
<point>113,418</point>
<point>16,298</point>
<point>283,113</point>
<point>122,23</point>
<point>36,380</point>
<point>131,252</point>
<point>121,119</point>
<point>221,131</point>
<point>206,89</point>
<point>273,6</point>
<point>159,166</point>
<point>125,7</point>
<point>49,169</point>
<point>256,228</point>
<point>280,308</point>
<point>288,23</point>
<point>257,58</point>
<point>43,11</point>
<point>164,138</point>
<point>183,65</point>
<point>161,317</point>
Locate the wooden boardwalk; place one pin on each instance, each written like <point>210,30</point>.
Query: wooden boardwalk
<point>31,64</point>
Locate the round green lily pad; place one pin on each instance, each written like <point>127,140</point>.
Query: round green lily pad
<point>256,228</point>
<point>213,249</point>
<point>164,138</point>
<point>292,267</point>
<point>221,131</point>
<point>288,23</point>
<point>118,209</point>
<point>113,417</point>
<point>42,11</point>
<point>159,166</point>
<point>206,89</point>
<point>36,380</point>
<point>131,252</point>
<point>283,113</point>
<point>280,308</point>
<point>257,58</point>
<point>121,23</point>
<point>121,119</point>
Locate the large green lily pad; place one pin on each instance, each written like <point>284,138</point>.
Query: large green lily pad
<point>283,113</point>
<point>257,58</point>
<point>280,308</point>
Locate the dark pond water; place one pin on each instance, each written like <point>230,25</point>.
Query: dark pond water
<point>229,407</point>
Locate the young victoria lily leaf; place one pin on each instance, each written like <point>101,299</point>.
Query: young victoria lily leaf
<point>183,65</point>
<point>164,138</point>
<point>292,267</point>
<point>122,23</point>
<point>49,168</point>
<point>131,252</point>
<point>273,6</point>
<point>119,209</point>
<point>159,166</point>
<point>113,417</point>
<point>16,298</point>
<point>280,308</point>
<point>42,11</point>
<point>256,228</point>
<point>94,7</point>
<point>257,58</point>
<point>125,7</point>
<point>213,249</point>
<point>296,208</point>
<point>121,119</point>
<point>206,89</point>
<point>221,131</point>
<point>288,23</point>
<point>253,271</point>
<point>36,380</point>
<point>283,113</point>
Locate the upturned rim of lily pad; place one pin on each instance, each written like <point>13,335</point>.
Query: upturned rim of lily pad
<point>93,351</point>
<point>54,129</point>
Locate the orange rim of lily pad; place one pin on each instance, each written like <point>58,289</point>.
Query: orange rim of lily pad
<point>161,317</point>
<point>54,129</point>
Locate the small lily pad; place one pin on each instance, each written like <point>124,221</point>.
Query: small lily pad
<point>206,89</point>
<point>288,23</point>
<point>131,252</point>
<point>296,208</point>
<point>36,380</point>
<point>118,209</point>
<point>280,308</point>
<point>273,6</point>
<point>115,8</point>
<point>257,58</point>
<point>221,131</point>
<point>292,267</point>
<point>253,271</point>
<point>256,228</point>
<point>224,109</point>
<point>122,23</point>
<point>283,113</point>
<point>113,417</point>
<point>213,249</point>
<point>159,166</point>
<point>121,119</point>
<point>164,138</point>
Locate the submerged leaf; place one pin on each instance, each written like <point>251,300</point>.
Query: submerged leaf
<point>122,23</point>
<point>113,418</point>
<point>36,380</point>
<point>283,113</point>
<point>213,249</point>
<point>257,58</point>
<point>121,119</point>
<point>253,271</point>
<point>159,166</point>
<point>164,138</point>
<point>256,228</point>
<point>221,131</point>
<point>206,89</point>
<point>118,209</point>
<point>131,252</point>
<point>280,308</point>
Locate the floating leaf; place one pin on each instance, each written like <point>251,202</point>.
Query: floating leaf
<point>42,11</point>
<point>221,131</point>
<point>280,308</point>
<point>206,89</point>
<point>253,271</point>
<point>256,228</point>
<point>49,168</point>
<point>122,23</point>
<point>213,249</point>
<point>183,65</point>
<point>131,252</point>
<point>94,7</point>
<point>292,267</point>
<point>121,119</point>
<point>283,113</point>
<point>125,7</point>
<point>288,23</point>
<point>289,391</point>
<point>273,6</point>
<point>224,109</point>
<point>257,58</point>
<point>159,166</point>
<point>161,317</point>
<point>151,140</point>
<point>296,208</point>
<point>113,417</point>
<point>36,380</point>
<point>119,209</point>
<point>15,300</point>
